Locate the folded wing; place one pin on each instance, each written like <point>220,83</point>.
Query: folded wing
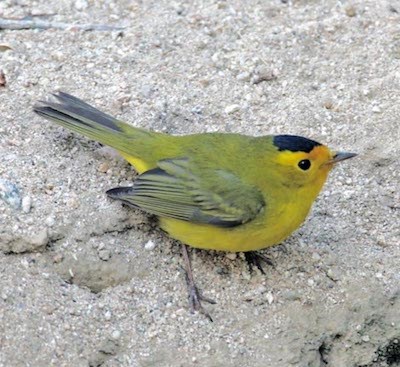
<point>178,189</point>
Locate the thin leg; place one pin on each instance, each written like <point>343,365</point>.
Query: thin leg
<point>255,258</point>
<point>195,296</point>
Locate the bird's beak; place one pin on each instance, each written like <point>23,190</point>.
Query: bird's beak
<point>341,156</point>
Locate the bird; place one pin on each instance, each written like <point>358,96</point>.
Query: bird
<point>218,191</point>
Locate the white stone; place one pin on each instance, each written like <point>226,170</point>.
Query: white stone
<point>150,245</point>
<point>270,297</point>
<point>232,108</point>
<point>26,204</point>
<point>376,109</point>
<point>81,4</point>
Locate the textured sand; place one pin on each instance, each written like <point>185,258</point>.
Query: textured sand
<point>80,284</point>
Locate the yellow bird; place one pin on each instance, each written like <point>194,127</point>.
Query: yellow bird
<point>226,192</point>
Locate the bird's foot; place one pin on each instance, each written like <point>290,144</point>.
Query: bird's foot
<point>254,258</point>
<point>194,295</point>
<point>195,299</point>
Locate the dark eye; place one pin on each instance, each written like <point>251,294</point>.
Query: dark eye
<point>304,164</point>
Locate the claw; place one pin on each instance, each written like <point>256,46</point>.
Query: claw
<point>255,258</point>
<point>195,299</point>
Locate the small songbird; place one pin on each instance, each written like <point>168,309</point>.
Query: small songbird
<point>226,192</point>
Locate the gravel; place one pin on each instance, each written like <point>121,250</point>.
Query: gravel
<point>80,284</point>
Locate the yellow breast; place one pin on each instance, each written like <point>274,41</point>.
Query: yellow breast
<point>265,231</point>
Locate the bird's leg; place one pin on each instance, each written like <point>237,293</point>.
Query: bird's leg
<point>254,258</point>
<point>195,296</point>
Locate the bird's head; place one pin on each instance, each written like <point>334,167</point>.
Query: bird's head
<point>304,162</point>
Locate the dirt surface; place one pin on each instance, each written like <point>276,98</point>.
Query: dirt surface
<point>87,282</point>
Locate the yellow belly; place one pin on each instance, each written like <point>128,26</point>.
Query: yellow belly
<point>256,235</point>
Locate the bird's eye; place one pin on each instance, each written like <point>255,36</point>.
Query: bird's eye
<point>304,164</point>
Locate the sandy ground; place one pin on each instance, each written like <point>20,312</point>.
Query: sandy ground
<point>80,283</point>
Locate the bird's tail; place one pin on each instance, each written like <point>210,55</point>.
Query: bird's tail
<point>78,116</point>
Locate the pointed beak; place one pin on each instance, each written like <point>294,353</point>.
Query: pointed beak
<point>341,156</point>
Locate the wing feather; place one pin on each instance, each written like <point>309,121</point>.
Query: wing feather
<point>178,189</point>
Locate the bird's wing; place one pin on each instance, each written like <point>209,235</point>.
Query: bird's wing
<point>177,189</point>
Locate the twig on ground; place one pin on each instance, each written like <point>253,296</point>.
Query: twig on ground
<point>18,24</point>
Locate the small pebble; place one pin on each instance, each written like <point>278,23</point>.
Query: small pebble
<point>116,334</point>
<point>50,221</point>
<point>205,82</point>
<point>81,4</point>
<point>198,110</point>
<point>333,274</point>
<point>40,239</point>
<point>105,254</point>
<point>244,77</point>
<point>103,167</point>
<point>231,255</point>
<point>215,57</point>
<point>150,245</point>
<point>232,108</point>
<point>58,55</point>
<point>107,315</point>
<point>350,11</point>
<point>58,258</point>
<point>365,338</point>
<point>380,240</point>
<point>376,109</point>
<point>316,256</point>
<point>9,192</point>
<point>270,298</point>
<point>73,203</point>
<point>263,74</point>
<point>221,271</point>
<point>249,296</point>
<point>26,204</point>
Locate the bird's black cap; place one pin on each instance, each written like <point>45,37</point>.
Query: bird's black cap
<point>294,143</point>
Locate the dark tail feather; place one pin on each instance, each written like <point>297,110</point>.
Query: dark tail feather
<point>78,116</point>
<point>118,192</point>
<point>122,193</point>
<point>72,112</point>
